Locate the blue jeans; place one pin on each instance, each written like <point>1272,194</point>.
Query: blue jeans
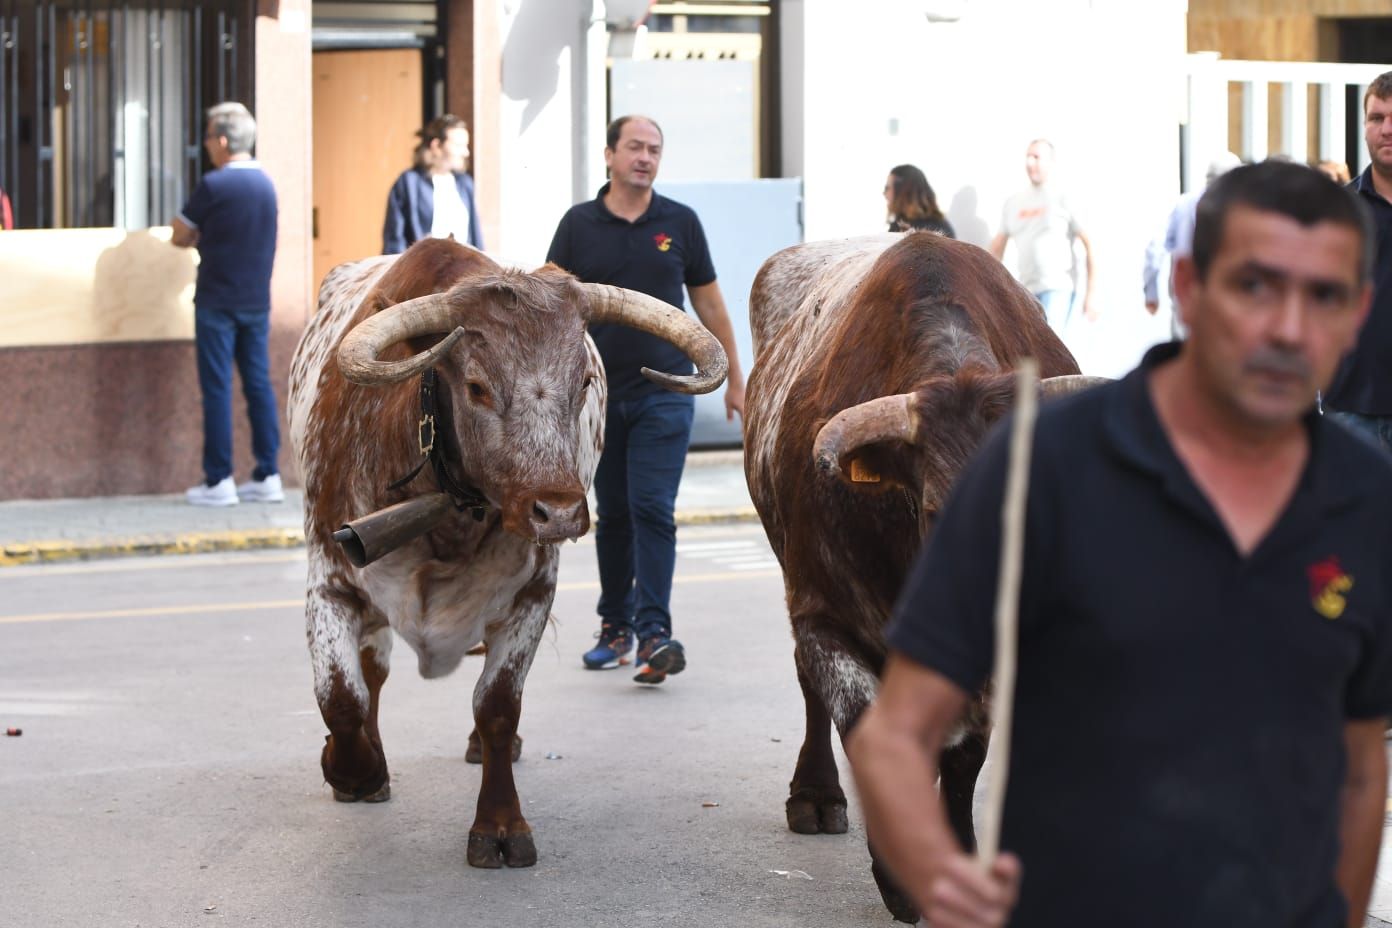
<point>224,336</point>
<point>1375,429</point>
<point>1058,308</point>
<point>645,442</point>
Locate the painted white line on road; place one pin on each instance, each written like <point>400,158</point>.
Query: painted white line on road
<point>214,608</point>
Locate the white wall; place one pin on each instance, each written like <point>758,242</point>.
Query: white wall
<point>1101,79</point>
<point>873,84</point>
<point>547,118</point>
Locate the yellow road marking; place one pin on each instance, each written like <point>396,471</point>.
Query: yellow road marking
<point>214,608</point>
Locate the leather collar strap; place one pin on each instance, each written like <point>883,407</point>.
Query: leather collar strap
<point>432,452</point>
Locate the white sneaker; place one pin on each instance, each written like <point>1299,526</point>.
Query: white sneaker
<point>222,493</point>
<point>262,491</point>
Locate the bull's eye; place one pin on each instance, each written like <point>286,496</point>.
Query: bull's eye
<point>478,392</point>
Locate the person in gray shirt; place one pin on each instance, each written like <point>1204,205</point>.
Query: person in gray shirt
<point>1044,227</point>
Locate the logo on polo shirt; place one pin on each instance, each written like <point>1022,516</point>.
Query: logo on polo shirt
<point>1328,584</point>
<point>664,241</point>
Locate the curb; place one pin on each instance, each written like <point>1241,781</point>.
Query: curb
<point>21,553</point>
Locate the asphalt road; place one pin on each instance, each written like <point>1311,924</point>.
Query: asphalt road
<point>168,773</point>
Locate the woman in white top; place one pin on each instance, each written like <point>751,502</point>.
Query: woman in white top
<point>434,199</point>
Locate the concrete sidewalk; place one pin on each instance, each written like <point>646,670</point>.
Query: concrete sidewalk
<point>39,531</point>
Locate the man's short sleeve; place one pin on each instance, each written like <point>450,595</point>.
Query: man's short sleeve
<point>199,205</point>
<point>945,614</point>
<point>1369,691</point>
<point>700,270</point>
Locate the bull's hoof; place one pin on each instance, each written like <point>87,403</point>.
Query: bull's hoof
<point>519,850</point>
<point>491,852</point>
<point>815,813</point>
<point>900,905</point>
<point>381,795</point>
<point>473,754</point>
<point>833,818</point>
<point>361,779</point>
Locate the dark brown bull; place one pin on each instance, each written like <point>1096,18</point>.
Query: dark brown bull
<point>880,364</point>
<point>521,397</point>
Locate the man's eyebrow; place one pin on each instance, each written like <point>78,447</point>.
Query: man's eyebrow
<point>1272,272</point>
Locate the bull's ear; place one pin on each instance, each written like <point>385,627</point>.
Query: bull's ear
<point>846,445</point>
<point>997,396</point>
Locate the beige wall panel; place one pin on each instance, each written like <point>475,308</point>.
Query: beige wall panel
<point>1275,38</point>
<point>86,286</point>
<point>1260,8</point>
<point>354,169</point>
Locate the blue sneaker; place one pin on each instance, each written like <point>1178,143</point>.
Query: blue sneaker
<point>659,657</point>
<point>614,649</point>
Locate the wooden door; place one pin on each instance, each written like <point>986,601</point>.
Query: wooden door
<point>367,108</point>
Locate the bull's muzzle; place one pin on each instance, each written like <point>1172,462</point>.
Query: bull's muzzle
<point>547,518</point>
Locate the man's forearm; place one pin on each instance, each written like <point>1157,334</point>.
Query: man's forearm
<point>1362,810</point>
<point>896,779</point>
<point>716,318</point>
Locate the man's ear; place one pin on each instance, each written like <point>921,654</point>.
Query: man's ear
<point>1186,289</point>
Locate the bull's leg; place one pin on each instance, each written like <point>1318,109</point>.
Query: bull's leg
<point>473,754</point>
<point>816,803</point>
<point>349,670</point>
<point>846,685</point>
<point>958,768</point>
<point>500,835</point>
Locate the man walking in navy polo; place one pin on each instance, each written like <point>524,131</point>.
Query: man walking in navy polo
<point>1361,396</point>
<point>631,237</point>
<point>231,220</point>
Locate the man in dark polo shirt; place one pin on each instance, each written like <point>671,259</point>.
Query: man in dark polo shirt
<point>1362,393</point>
<point>630,236</point>
<point>231,220</point>
<point>1205,638</point>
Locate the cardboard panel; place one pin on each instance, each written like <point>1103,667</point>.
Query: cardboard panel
<point>89,286</point>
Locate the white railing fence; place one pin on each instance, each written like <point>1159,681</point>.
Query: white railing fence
<point>1210,119</point>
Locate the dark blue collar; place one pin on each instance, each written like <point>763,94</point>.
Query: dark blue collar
<point>657,206</point>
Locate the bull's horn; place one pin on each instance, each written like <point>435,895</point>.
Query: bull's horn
<point>1068,383</point>
<point>649,314</point>
<point>425,315</point>
<point>883,419</point>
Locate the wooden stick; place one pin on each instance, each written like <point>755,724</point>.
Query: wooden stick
<point>1008,603</point>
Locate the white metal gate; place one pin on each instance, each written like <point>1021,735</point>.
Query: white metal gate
<point>1338,132</point>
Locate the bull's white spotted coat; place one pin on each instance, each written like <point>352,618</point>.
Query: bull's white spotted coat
<point>440,608</point>
<point>805,287</point>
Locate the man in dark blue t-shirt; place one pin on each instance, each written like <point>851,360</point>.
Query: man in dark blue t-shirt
<point>629,236</point>
<point>231,220</point>
<point>1205,632</point>
<point>1362,393</point>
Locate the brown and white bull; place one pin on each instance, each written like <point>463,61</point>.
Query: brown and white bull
<point>880,364</point>
<point>521,396</point>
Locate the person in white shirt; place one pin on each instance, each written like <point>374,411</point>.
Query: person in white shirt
<point>435,198</point>
<point>1044,226</point>
<point>1178,241</point>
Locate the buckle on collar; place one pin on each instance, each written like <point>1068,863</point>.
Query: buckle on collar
<point>426,434</point>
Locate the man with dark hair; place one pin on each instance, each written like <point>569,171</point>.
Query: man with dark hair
<point>1205,635</point>
<point>630,236</point>
<point>231,219</point>
<point>1362,393</point>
